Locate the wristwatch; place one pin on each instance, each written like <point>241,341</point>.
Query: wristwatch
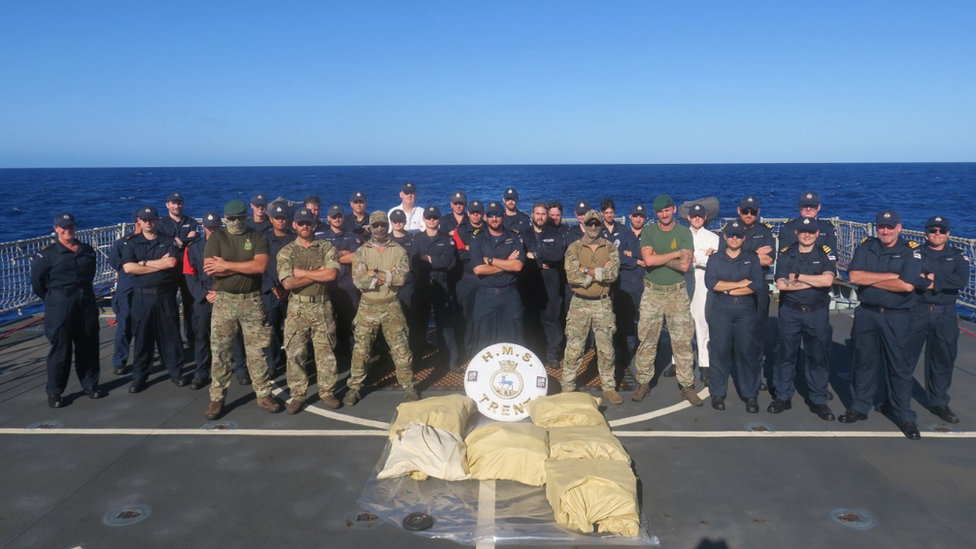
<point>491,260</point>
<point>143,262</point>
<point>586,270</point>
<point>728,292</point>
<point>375,273</point>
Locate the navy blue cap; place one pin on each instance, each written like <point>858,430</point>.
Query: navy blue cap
<point>408,188</point>
<point>64,219</point>
<point>475,206</point>
<point>511,194</point>
<point>494,207</point>
<point>750,201</point>
<point>211,220</point>
<point>357,196</point>
<point>334,210</point>
<point>734,228</point>
<point>697,210</point>
<point>938,221</point>
<point>638,210</point>
<point>888,217</point>
<point>809,198</point>
<point>432,212</point>
<point>807,224</point>
<point>459,198</point>
<point>174,197</point>
<point>305,215</point>
<point>279,209</point>
<point>398,216</point>
<point>259,200</point>
<point>582,207</point>
<point>148,213</point>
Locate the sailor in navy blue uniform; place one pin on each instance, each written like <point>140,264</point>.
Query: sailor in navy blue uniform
<point>887,271</point>
<point>273,294</point>
<point>804,274</point>
<point>734,277</point>
<point>934,320</point>
<point>152,259</point>
<point>626,302</point>
<point>342,291</point>
<point>437,255</point>
<point>357,222</point>
<point>122,304</point>
<point>467,286</point>
<point>575,232</point>
<point>184,230</point>
<point>543,277</point>
<point>515,221</point>
<point>259,214</point>
<point>411,300</point>
<point>458,215</point>
<point>62,275</point>
<point>809,203</point>
<point>498,256</point>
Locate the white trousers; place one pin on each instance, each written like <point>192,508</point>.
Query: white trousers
<point>698,314</point>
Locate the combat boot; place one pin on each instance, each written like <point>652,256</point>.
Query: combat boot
<point>295,406</point>
<point>352,397</point>
<point>613,396</point>
<point>270,404</point>
<point>691,396</point>
<point>410,394</point>
<point>215,410</point>
<point>331,401</point>
<point>641,392</point>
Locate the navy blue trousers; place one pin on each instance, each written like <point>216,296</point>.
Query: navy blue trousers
<point>497,316</point>
<point>732,330</point>
<point>939,333</point>
<point>71,326</point>
<point>155,319</point>
<point>122,307</point>
<point>813,329</point>
<point>882,350</point>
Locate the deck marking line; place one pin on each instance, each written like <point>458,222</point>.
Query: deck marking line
<point>785,434</point>
<point>201,432</point>
<point>703,394</point>
<point>486,513</point>
<point>276,389</point>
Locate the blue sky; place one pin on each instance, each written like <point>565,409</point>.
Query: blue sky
<point>532,82</point>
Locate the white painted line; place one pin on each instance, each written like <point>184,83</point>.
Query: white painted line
<point>786,434</point>
<point>703,394</point>
<point>276,389</point>
<point>201,432</point>
<point>486,514</point>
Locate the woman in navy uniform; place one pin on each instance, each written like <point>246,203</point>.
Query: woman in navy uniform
<point>934,321</point>
<point>62,275</point>
<point>734,277</point>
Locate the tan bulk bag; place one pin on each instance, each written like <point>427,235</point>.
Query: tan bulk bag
<point>565,410</point>
<point>585,442</point>
<point>508,451</point>
<point>584,492</point>
<point>448,412</point>
<point>422,451</point>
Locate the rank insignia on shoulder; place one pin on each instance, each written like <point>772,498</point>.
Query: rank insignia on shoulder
<point>516,231</point>
<point>912,244</point>
<point>865,239</point>
<point>784,249</point>
<point>768,226</point>
<point>131,236</point>
<point>45,248</point>
<point>476,231</point>
<point>826,248</point>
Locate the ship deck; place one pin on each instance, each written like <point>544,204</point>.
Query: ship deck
<point>709,479</point>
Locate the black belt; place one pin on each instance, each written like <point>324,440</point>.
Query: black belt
<point>591,298</point>
<point>66,292</point>
<point>737,299</point>
<point>155,291</point>
<point>803,308</point>
<point>884,310</point>
<point>929,308</point>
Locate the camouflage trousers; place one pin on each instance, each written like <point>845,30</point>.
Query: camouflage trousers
<point>313,322</point>
<point>583,316</point>
<point>670,304</point>
<point>369,320</point>
<point>244,312</point>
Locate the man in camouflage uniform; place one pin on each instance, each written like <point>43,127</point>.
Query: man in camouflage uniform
<point>379,270</point>
<point>667,249</point>
<point>304,267</point>
<point>592,265</point>
<point>236,257</point>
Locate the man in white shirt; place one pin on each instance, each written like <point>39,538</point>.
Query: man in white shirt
<point>706,243</point>
<point>408,205</point>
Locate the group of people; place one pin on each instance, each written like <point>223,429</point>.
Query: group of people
<point>260,290</point>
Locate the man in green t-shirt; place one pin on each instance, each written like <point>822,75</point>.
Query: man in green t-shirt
<point>667,249</point>
<point>236,258</point>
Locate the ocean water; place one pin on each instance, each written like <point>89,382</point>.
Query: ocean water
<point>105,196</point>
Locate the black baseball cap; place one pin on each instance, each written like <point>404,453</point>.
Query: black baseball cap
<point>582,207</point>
<point>211,220</point>
<point>807,224</point>
<point>334,210</point>
<point>259,200</point>
<point>697,210</point>
<point>304,215</point>
<point>475,206</point>
<point>148,213</point>
<point>408,188</point>
<point>432,212</point>
<point>279,210</point>
<point>638,210</point>
<point>174,197</point>
<point>459,198</point>
<point>511,194</point>
<point>750,201</point>
<point>357,196</point>
<point>494,207</point>
<point>398,216</point>
<point>888,218</point>
<point>938,221</point>
<point>64,219</point>
<point>734,228</point>
<point>809,198</point>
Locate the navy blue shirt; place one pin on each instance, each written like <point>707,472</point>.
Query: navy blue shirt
<point>497,247</point>
<point>197,280</point>
<point>342,241</point>
<point>827,236</point>
<point>441,250</point>
<point>58,268</point>
<point>124,283</point>
<point>467,233</point>
<point>631,275</point>
<point>260,226</point>
<point>519,223</point>
<point>449,223</point>
<point>902,259</point>
<point>276,243</point>
<point>722,268</point>
<point>139,248</point>
<point>179,229</point>
<point>951,269</point>
<point>356,226</point>
<point>406,242</point>
<point>757,236</point>
<point>548,246</point>
<point>817,261</point>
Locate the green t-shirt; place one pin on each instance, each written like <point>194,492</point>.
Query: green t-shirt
<point>243,247</point>
<point>663,242</point>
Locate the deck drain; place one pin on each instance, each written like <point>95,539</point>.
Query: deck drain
<point>362,520</point>
<point>220,426</point>
<point>760,428</point>
<point>128,515</point>
<point>940,428</point>
<point>853,518</point>
<point>47,424</point>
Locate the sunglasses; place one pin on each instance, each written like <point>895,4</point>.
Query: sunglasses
<point>750,211</point>
<point>938,230</point>
<point>735,235</point>
<point>593,223</point>
<point>380,225</point>
<point>806,232</point>
<point>491,215</point>
<point>432,218</point>
<point>236,217</point>
<point>336,216</point>
<point>305,224</point>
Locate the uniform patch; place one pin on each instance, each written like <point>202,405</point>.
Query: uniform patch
<point>826,248</point>
<point>917,255</point>
<point>912,244</point>
<point>247,245</point>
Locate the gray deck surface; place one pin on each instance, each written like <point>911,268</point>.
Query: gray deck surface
<point>250,490</point>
